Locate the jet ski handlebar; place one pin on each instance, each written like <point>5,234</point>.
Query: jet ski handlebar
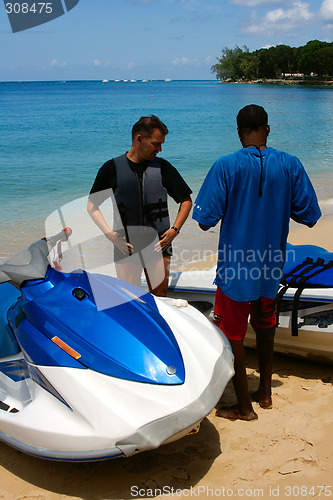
<point>62,236</point>
<point>32,264</point>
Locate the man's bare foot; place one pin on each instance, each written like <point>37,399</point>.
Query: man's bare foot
<point>264,402</point>
<point>234,413</point>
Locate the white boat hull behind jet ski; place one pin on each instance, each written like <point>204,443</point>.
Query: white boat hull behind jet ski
<point>315,313</point>
<point>71,390</point>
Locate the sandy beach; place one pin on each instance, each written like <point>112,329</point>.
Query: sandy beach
<point>286,453</point>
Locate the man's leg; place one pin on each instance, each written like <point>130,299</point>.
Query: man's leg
<point>243,410</point>
<point>129,271</point>
<point>265,348</point>
<point>263,321</point>
<point>159,273</point>
<point>232,318</point>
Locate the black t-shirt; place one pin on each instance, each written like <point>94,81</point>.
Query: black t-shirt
<point>171,179</point>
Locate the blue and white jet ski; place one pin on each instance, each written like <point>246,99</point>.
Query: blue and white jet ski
<point>305,320</point>
<point>80,383</point>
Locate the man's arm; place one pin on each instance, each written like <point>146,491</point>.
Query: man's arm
<point>98,218</point>
<point>299,221</point>
<point>210,204</point>
<point>183,212</point>
<point>305,208</point>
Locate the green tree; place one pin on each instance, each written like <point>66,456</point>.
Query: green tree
<point>308,61</point>
<point>248,65</point>
<point>325,61</point>
<point>239,63</point>
<point>265,64</point>
<point>283,59</point>
<point>230,63</point>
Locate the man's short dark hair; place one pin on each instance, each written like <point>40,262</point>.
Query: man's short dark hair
<point>252,117</point>
<point>147,124</point>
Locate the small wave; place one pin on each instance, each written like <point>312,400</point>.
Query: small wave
<point>5,256</point>
<point>328,201</point>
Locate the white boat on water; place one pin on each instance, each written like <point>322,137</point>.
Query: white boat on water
<point>305,325</point>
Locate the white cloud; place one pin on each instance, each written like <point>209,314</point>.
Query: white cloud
<point>253,3</point>
<point>298,11</point>
<point>55,63</point>
<point>280,19</point>
<point>326,10</point>
<point>180,61</point>
<point>98,63</point>
<point>191,3</point>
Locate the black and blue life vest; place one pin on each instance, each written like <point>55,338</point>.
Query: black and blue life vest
<point>141,202</point>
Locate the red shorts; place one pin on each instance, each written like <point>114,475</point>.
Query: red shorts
<point>232,316</point>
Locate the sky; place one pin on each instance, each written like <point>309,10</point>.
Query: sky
<point>154,39</point>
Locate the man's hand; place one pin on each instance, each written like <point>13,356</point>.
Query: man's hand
<point>165,240</point>
<point>120,242</point>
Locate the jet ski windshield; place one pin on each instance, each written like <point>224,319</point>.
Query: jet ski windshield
<point>33,263</point>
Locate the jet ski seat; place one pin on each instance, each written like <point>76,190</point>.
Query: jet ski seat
<point>30,264</point>
<point>306,266</point>
<point>8,296</point>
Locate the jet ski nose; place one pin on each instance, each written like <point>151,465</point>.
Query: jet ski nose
<point>129,340</point>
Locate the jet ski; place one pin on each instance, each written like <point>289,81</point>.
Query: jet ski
<point>305,311</point>
<point>83,383</point>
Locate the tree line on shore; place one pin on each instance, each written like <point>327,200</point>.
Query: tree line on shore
<point>311,61</point>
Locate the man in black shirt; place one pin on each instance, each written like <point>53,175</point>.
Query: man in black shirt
<point>140,183</point>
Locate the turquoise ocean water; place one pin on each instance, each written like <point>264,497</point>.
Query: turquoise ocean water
<point>55,135</point>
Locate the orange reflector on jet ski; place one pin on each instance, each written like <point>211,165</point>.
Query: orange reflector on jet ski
<point>132,295</point>
<point>66,348</point>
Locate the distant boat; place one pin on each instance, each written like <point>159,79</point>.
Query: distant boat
<point>125,80</point>
<point>144,81</point>
<point>167,80</point>
<point>105,81</point>
<point>133,81</point>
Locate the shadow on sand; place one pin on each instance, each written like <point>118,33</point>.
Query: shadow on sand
<point>179,465</point>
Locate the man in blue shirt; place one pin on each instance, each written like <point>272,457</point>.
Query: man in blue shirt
<point>254,193</point>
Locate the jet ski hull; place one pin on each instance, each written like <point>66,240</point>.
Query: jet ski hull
<point>71,413</point>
